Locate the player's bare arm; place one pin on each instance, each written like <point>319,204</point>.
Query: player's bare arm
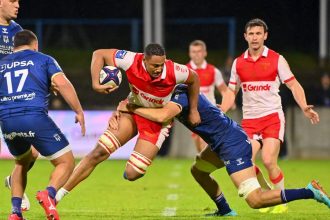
<point>193,91</point>
<point>228,100</point>
<point>161,115</point>
<point>66,89</point>
<point>299,96</point>
<point>101,58</point>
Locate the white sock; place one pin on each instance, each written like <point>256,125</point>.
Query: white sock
<point>60,194</point>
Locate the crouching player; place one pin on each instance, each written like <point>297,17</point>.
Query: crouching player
<point>227,146</point>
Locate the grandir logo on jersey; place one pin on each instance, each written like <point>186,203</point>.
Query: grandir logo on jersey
<point>255,88</point>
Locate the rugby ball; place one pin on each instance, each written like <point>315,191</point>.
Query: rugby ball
<point>110,75</point>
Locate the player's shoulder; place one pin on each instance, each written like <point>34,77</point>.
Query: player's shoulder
<point>122,54</point>
<point>272,53</point>
<point>14,25</point>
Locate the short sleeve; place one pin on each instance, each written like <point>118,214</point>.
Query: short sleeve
<point>180,99</point>
<point>218,77</point>
<point>181,73</point>
<point>53,67</point>
<point>234,81</point>
<point>284,71</point>
<point>123,59</point>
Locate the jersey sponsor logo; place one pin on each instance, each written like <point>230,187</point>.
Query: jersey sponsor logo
<point>4,30</point>
<point>5,39</point>
<point>255,88</point>
<point>25,96</point>
<point>180,69</point>
<point>12,135</point>
<point>57,137</point>
<point>22,63</point>
<point>120,54</point>
<point>152,100</point>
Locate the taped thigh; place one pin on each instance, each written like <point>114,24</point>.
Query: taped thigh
<point>139,162</point>
<point>248,186</point>
<point>109,142</point>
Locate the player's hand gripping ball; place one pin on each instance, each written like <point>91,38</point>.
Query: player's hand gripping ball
<point>110,75</point>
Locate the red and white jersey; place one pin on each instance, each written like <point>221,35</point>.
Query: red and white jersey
<point>146,91</point>
<point>209,77</point>
<point>260,81</point>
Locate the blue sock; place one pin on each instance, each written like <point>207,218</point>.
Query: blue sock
<point>51,191</point>
<point>288,195</point>
<point>16,203</point>
<point>222,204</point>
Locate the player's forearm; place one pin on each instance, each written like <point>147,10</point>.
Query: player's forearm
<point>96,66</point>
<point>70,96</point>
<point>228,100</point>
<point>154,114</point>
<point>193,91</point>
<point>299,95</point>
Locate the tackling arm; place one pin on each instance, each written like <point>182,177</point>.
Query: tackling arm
<point>101,58</point>
<point>160,115</point>
<point>193,92</point>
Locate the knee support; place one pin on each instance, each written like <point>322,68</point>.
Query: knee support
<point>204,165</point>
<point>109,142</point>
<point>139,162</point>
<point>247,186</point>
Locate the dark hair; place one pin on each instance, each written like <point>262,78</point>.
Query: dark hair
<point>154,49</point>
<point>24,37</point>
<point>256,22</point>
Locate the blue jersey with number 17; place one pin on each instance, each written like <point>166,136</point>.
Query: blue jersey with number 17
<point>25,79</point>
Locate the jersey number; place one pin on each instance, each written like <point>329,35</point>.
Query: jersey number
<point>18,73</point>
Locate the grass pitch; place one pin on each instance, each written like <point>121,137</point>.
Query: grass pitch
<point>167,191</point>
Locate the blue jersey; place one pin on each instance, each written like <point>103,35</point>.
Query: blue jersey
<point>224,136</point>
<point>25,79</point>
<point>7,34</point>
<point>214,123</point>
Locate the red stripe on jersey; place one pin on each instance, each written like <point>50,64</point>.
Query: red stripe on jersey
<point>132,164</point>
<point>232,83</point>
<point>141,160</point>
<point>288,80</point>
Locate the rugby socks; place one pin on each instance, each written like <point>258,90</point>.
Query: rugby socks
<point>288,195</point>
<point>51,192</point>
<point>16,203</point>
<point>278,181</point>
<point>222,204</point>
<point>60,194</point>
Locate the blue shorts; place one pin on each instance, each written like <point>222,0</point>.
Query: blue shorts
<point>235,150</point>
<point>38,130</point>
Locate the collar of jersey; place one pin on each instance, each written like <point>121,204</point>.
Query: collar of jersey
<point>264,53</point>
<point>163,76</point>
<point>194,66</point>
